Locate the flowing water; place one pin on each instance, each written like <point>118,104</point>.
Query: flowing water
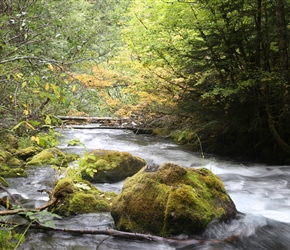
<point>261,193</point>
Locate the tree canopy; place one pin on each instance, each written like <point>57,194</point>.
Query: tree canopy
<point>227,63</point>
<point>217,72</point>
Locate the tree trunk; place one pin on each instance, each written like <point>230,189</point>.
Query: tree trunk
<point>283,40</point>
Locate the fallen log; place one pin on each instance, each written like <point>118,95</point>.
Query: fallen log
<point>178,244</point>
<point>94,119</point>
<point>134,129</point>
<point>11,211</point>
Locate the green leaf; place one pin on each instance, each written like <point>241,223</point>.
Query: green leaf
<point>74,142</point>
<point>47,120</point>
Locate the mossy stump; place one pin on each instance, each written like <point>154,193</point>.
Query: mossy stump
<point>171,200</point>
<point>79,197</point>
<point>109,166</point>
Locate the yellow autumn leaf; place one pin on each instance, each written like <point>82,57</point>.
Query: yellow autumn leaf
<point>47,86</point>
<point>35,138</point>
<point>50,67</point>
<point>18,76</point>
<point>29,125</point>
<point>25,112</point>
<point>74,88</point>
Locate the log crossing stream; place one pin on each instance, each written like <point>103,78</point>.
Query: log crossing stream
<point>261,193</point>
<point>104,123</point>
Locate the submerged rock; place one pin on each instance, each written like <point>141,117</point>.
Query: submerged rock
<point>79,197</point>
<point>171,200</point>
<point>110,165</point>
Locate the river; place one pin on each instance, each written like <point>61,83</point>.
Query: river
<point>261,193</point>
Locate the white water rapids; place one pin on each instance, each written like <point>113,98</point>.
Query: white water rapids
<point>260,192</point>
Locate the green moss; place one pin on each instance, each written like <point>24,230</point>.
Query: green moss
<point>3,156</point>
<point>138,209</point>
<point>7,172</point>
<point>64,187</point>
<point>109,166</point>
<point>8,141</point>
<point>3,167</point>
<point>52,156</point>
<point>25,153</point>
<point>14,173</point>
<point>77,197</point>
<point>171,201</point>
<point>185,204</point>
<point>13,161</point>
<point>102,164</point>
<point>47,156</point>
<point>87,203</point>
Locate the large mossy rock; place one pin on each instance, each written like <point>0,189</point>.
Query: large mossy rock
<point>171,200</point>
<point>52,156</point>
<point>79,197</point>
<point>110,166</point>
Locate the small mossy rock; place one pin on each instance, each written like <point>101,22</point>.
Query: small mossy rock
<point>52,156</point>
<point>112,166</point>
<point>7,172</point>
<point>25,153</point>
<point>13,161</point>
<point>17,172</point>
<point>79,197</point>
<point>171,201</point>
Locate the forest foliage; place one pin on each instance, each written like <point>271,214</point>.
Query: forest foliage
<point>215,72</point>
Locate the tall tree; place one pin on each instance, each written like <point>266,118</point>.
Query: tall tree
<point>231,59</point>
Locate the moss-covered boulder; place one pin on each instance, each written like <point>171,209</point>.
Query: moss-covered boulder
<point>110,166</point>
<point>52,156</point>
<point>79,197</point>
<point>171,200</point>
